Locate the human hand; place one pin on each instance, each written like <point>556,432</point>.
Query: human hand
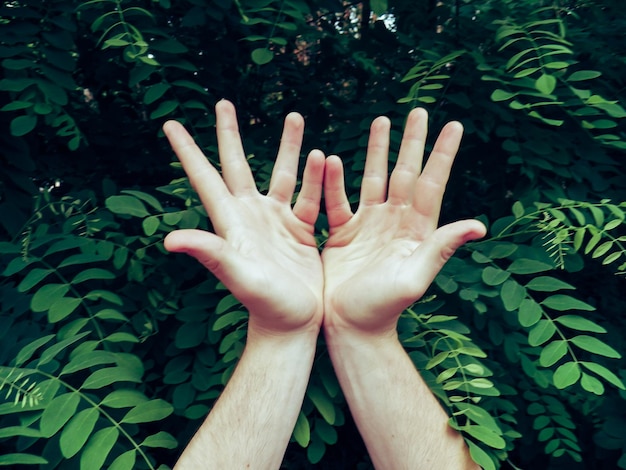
<point>382,258</point>
<point>263,249</point>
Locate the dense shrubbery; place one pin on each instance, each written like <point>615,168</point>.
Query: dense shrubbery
<point>108,344</point>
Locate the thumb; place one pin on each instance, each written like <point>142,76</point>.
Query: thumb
<point>444,242</point>
<point>209,249</point>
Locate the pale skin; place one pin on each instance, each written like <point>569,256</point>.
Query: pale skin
<point>375,263</point>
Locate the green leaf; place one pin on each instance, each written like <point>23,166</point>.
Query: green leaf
<point>262,56</point>
<point>164,108</point>
<point>553,353</point>
<point>502,95</point>
<point>230,318</point>
<point>480,457</point>
<point>145,197</point>
<point>62,308</point>
<point>98,448</point>
<point>485,435</point>
<point>302,430</point>
<point>77,431</point>
<point>582,75</point>
<point>546,84</point>
<point>150,225</point>
<point>528,266</point>
<point>613,224</point>
<point>595,346</point>
<point>541,332</point>
<point>155,92</point>
<point>529,313</point>
<point>161,439</point>
<point>22,459</point>
<point>92,274</point>
<point>126,205</point>
<point>121,337</point>
<point>323,404</point>
<point>111,314</point>
<point>565,302</point>
<point>547,284</point>
<point>591,384</point>
<point>315,451</point>
<point>154,410</point>
<point>125,461</point>
<point>190,335</point>
<point>16,265</point>
<point>109,375</point>
<point>494,276</point>
<point>576,322</point>
<point>190,85</point>
<point>611,258</point>
<point>87,360</point>
<point>52,351</point>
<point>34,277</point>
<point>605,373</point>
<point>47,295</point>
<point>512,294</point>
<point>326,432</point>
<point>566,375</point>
<point>22,125</point>
<point>124,398</point>
<point>58,412</point>
<point>226,303</point>
<point>27,351</point>
<point>602,249</point>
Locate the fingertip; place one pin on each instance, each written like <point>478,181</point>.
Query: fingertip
<point>478,230</point>
<point>454,126</point>
<point>224,105</point>
<point>317,154</point>
<point>381,122</point>
<point>316,160</point>
<point>334,165</point>
<point>170,126</point>
<point>170,242</point>
<point>295,119</point>
<point>418,113</point>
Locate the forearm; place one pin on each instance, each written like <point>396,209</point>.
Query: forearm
<point>401,422</point>
<point>252,421</point>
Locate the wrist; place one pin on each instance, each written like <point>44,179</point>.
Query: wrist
<point>365,326</point>
<point>259,333</point>
<point>338,332</point>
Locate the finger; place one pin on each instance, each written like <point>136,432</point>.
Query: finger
<point>235,168</point>
<point>374,185</point>
<point>204,178</point>
<point>307,206</point>
<point>432,182</point>
<point>284,174</point>
<point>337,205</point>
<point>409,164</point>
<point>437,249</point>
<point>209,249</point>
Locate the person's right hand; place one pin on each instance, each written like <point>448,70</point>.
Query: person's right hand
<point>382,258</point>
<point>263,249</point>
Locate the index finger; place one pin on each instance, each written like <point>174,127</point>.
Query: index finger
<point>204,178</point>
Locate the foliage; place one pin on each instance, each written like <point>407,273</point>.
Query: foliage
<point>107,342</point>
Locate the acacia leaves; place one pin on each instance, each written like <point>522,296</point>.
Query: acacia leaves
<point>524,331</point>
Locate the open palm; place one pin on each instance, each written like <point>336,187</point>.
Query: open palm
<point>263,250</point>
<point>382,258</point>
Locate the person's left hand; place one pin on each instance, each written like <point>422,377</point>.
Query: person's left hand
<point>382,258</point>
<point>263,249</point>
